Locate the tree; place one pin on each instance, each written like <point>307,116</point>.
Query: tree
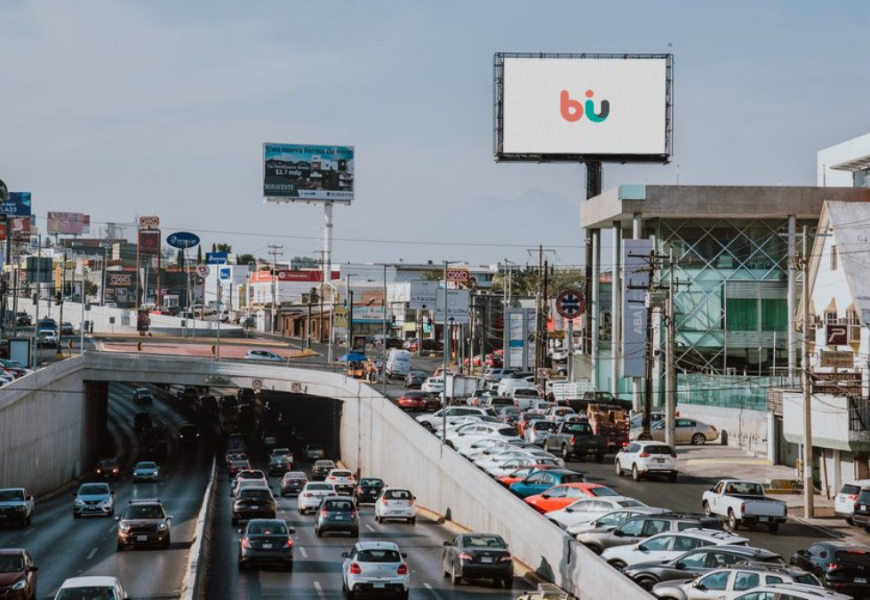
<point>199,255</point>
<point>179,258</point>
<point>525,282</point>
<point>224,248</point>
<point>246,259</point>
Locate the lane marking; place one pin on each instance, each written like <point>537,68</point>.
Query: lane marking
<point>319,590</point>
<point>28,532</point>
<point>303,552</point>
<point>432,591</point>
<point>369,527</point>
<point>91,553</point>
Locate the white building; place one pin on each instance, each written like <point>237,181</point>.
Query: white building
<point>846,164</point>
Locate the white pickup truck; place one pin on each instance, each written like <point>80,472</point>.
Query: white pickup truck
<point>16,506</point>
<point>743,503</point>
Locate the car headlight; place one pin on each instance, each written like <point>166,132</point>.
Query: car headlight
<point>20,508</point>
<point>79,502</point>
<point>162,527</point>
<point>20,584</point>
<point>124,526</point>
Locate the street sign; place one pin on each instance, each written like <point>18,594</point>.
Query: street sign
<point>257,384</point>
<point>423,295</point>
<point>203,270</point>
<point>458,275</point>
<point>837,359</point>
<point>225,273</point>
<point>836,335</point>
<point>149,222</point>
<point>183,240</point>
<point>569,304</point>
<point>458,302</point>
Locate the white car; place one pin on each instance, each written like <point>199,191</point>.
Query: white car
<point>537,431</point>
<point>612,520</point>
<point>264,355</point>
<point>588,509</point>
<point>478,431</point>
<point>395,503</point>
<point>494,462</point>
<point>478,447</point>
<point>244,484</point>
<point>375,567</point>
<point>643,459</point>
<point>557,413</point>
<point>311,495</point>
<point>433,385</point>
<point>497,448</point>
<point>456,423</point>
<point>343,481</point>
<point>844,503</point>
<point>512,465</point>
<point>666,546</point>
<point>434,420</point>
<point>792,591</point>
<point>105,588</point>
<point>248,475</point>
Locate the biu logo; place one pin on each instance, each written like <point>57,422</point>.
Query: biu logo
<point>572,110</point>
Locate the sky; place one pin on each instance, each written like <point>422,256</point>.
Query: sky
<point>119,108</point>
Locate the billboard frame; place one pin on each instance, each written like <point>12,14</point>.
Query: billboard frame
<point>498,112</point>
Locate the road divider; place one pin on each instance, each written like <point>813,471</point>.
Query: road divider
<point>193,587</point>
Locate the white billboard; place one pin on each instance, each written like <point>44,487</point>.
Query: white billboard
<point>458,303</point>
<point>563,107</point>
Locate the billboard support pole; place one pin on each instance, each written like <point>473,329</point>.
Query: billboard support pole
<point>593,188</point>
<point>327,241</point>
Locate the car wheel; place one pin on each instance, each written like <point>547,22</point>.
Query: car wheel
<point>566,454</point>
<point>167,542</point>
<point>354,533</point>
<point>773,527</point>
<point>635,474</point>
<point>234,521</point>
<point>732,524</point>
<point>317,532</point>
<point>706,508</point>
<point>454,578</point>
<point>378,519</point>
<point>289,565</point>
<point>412,520</point>
<point>242,565</point>
<point>76,516</point>
<point>119,547</point>
<point>672,477</point>
<point>646,583</point>
<point>699,439</point>
<point>850,521</point>
<point>618,469</point>
<point>597,550</point>
<point>616,563</point>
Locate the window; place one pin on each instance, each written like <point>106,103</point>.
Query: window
<point>762,596</point>
<point>716,581</point>
<point>632,449</point>
<point>612,519</point>
<point>773,580</point>
<point>746,581</point>
<point>684,544</point>
<point>694,561</point>
<point>833,258</point>
<point>685,423</point>
<point>654,526</point>
<point>547,479</point>
<point>632,528</point>
<point>556,492</point>
<point>716,560</point>
<point>535,479</point>
<point>658,544</point>
<point>685,525</point>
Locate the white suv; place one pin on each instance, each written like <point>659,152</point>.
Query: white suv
<point>792,591</point>
<point>375,567</point>
<point>665,546</point>
<point>642,459</point>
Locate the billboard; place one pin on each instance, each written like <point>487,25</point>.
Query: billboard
<point>581,107</point>
<point>635,280</point>
<point>68,223</point>
<point>216,258</point>
<point>149,241</point>
<point>304,173</point>
<point>17,204</point>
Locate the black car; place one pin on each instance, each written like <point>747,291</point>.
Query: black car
<point>321,469</point>
<point>144,523</point>
<point>292,483</point>
<point>143,396</point>
<point>23,319</point>
<point>861,512</point>
<point>188,434</point>
<point>17,575</point>
<point>841,566</point>
<point>414,379</point>
<point>313,452</point>
<point>108,469</point>
<point>336,515</point>
<point>478,556</point>
<point>266,541</point>
<point>697,562</point>
<point>368,490</point>
<point>254,503</point>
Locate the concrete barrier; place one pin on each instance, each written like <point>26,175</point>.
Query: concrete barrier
<point>194,585</point>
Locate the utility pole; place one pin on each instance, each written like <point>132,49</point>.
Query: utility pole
<point>809,497</point>
<point>539,308</point>
<point>444,363</point>
<point>647,393</point>
<point>384,348</point>
<point>671,365</point>
<point>60,300</point>
<point>274,252</point>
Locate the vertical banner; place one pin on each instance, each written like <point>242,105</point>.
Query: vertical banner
<point>636,275</point>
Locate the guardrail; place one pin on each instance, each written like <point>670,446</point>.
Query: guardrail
<point>193,586</point>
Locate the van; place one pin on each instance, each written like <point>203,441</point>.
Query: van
<point>398,363</point>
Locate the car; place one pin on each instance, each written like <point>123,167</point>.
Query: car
<point>478,556</point>
<point>572,439</point>
<point>321,469</point>
<point>23,319</point>
<point>639,527</point>
<point>188,434</point>
<point>561,496</point>
<point>636,421</point>
<point>507,468</point>
<point>16,506</point>
<point>844,502</point>
<point>535,432</point>
<point>433,385</point>
<point>236,466</point>
<point>336,514</point>
<point>313,452</point>
<point>666,546</point>
<point>509,414</point>
<point>144,523</point>
<point>17,575</point>
<point>415,401</point>
<point>860,511</point>
<point>792,591</point>
<point>343,481</point>
<point>108,468</point>
<point>844,566</point>
<point>478,431</point>
<point>434,420</point>
<point>234,455</point>
<point>311,495</point>
<point>613,519</point>
<point>85,588</point>
<point>67,328</point>
<point>643,459</point>
<point>292,483</point>
<point>687,431</point>
<point>266,541</point>
<point>280,464</point>
<point>264,355</point>
<point>502,462</point>
<point>247,478</point>
<point>375,567</point>
<point>143,396</point>
<point>254,502</point>
<point>523,472</point>
<point>47,339</point>
<point>146,470</point>
<point>728,583</point>
<point>588,509</point>
<point>94,499</point>
<point>497,374</point>
<point>542,480</point>
<point>368,490</point>
<point>395,504</point>
<point>741,502</point>
<point>415,379</point>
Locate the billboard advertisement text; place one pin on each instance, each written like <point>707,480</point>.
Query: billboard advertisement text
<point>17,204</point>
<point>68,223</point>
<point>299,172</point>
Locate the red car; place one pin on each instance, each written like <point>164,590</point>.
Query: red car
<point>413,401</point>
<point>521,474</point>
<point>560,496</point>
<point>494,361</point>
<point>17,574</point>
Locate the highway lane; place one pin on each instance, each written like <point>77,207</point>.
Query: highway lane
<point>63,547</point>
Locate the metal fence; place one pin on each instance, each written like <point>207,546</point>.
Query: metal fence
<point>729,391</point>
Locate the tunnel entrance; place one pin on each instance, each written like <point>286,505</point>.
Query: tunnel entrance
<point>296,420</point>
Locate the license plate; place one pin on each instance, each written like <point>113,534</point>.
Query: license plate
<point>862,507</point>
<point>267,546</point>
<point>486,559</point>
<point>379,586</point>
<point>765,519</point>
<point>659,460</point>
<point>860,580</point>
<point>141,538</point>
<point>255,507</point>
<point>339,517</point>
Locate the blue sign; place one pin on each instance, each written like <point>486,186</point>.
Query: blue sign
<point>17,205</point>
<point>183,239</point>
<point>225,273</point>
<point>216,258</point>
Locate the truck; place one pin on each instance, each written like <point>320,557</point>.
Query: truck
<point>610,421</point>
<point>568,390</point>
<point>576,440</point>
<point>460,387</point>
<point>16,506</point>
<point>738,502</point>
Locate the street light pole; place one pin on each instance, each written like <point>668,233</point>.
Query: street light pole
<point>446,349</point>
<point>809,496</point>
<point>384,364</point>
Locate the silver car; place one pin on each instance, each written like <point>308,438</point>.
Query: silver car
<point>375,567</point>
<point>94,499</point>
<point>727,584</point>
<point>687,431</point>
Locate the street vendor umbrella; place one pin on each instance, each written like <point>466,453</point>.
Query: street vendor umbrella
<point>352,357</point>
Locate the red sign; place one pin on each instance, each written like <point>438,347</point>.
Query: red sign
<point>2,231</point>
<point>569,304</point>
<point>290,276</point>
<point>836,335</point>
<point>21,225</point>
<point>149,241</point>
<point>457,275</point>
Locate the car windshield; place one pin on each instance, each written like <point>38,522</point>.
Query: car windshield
<point>572,478</point>
<point>11,564</point>
<point>146,465</point>
<point>864,497</point>
<point>378,555</point>
<point>87,593</point>
<point>342,474</point>
<point>508,431</point>
<point>144,512</point>
<point>108,462</point>
<point>270,528</point>
<point>544,425</point>
<point>325,463</point>
<point>657,450</point>
<point>93,489</point>
<point>482,541</point>
<point>371,483</point>
<point>295,475</point>
<point>630,503</point>
<point>853,556</point>
<point>744,488</point>
<point>397,495</point>
<point>602,491</point>
<point>6,495</point>
<point>578,428</point>
<point>339,505</point>
<point>319,487</point>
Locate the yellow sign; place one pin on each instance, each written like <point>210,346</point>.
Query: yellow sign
<point>340,316</point>
<point>58,276</point>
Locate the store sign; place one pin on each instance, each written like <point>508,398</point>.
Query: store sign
<point>837,359</point>
<point>836,335</point>
<point>149,222</point>
<point>838,384</point>
<point>635,281</point>
<point>458,275</point>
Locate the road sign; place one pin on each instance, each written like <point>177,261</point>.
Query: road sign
<point>216,258</point>
<point>423,295</point>
<point>569,304</point>
<point>203,270</point>
<point>458,275</point>
<point>149,222</point>
<point>183,239</point>
<point>257,384</point>
<point>458,302</point>
<point>836,335</point>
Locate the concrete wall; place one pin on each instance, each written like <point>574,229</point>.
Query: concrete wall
<point>746,428</point>
<point>47,434</point>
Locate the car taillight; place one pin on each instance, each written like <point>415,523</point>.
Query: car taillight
<point>403,569</point>
<point>330,477</point>
<point>713,427</point>
<point>573,441</point>
<point>465,556</point>
<point>289,542</point>
<point>308,495</point>
<point>853,498</point>
<point>411,502</point>
<point>246,543</point>
<point>323,513</point>
<point>673,454</point>
<point>833,566</point>
<point>355,569</point>
<point>645,455</point>
<point>624,444</point>
<point>506,558</point>
<point>353,514</point>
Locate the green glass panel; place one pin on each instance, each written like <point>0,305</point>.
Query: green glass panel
<point>774,314</point>
<point>742,314</point>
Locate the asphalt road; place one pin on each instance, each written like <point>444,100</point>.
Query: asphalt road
<point>63,547</point>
